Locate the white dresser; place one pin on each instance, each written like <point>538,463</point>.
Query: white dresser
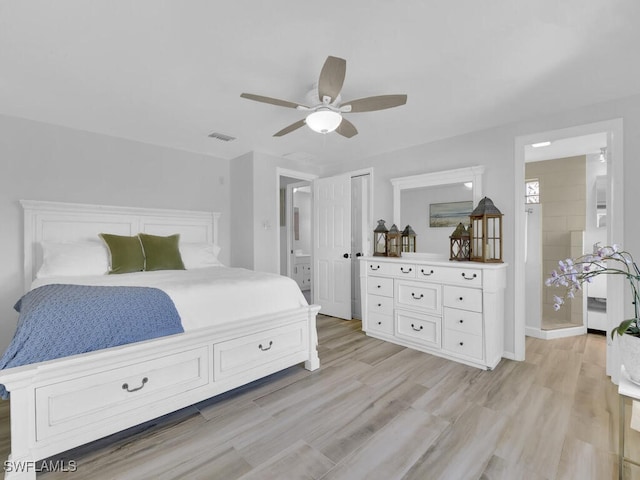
<point>302,271</point>
<point>450,309</point>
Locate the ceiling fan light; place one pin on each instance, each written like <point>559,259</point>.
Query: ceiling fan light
<point>323,120</point>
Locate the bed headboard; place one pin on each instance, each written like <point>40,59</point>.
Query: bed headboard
<point>70,222</point>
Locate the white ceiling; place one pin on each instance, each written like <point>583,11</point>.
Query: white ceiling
<point>567,147</point>
<point>170,72</point>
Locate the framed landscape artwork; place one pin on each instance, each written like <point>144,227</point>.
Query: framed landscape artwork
<point>449,214</point>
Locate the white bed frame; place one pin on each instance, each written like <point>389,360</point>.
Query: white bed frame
<point>61,404</point>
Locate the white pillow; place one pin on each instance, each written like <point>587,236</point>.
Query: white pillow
<point>199,255</point>
<point>73,259</point>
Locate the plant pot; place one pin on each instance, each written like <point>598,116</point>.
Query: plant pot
<point>630,356</point>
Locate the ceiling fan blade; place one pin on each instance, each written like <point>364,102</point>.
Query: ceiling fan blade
<point>270,100</point>
<point>371,104</point>
<point>290,128</point>
<point>346,128</point>
<point>332,77</point>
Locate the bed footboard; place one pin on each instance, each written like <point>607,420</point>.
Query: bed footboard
<point>61,404</point>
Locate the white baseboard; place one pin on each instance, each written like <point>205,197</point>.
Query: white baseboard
<point>552,334</point>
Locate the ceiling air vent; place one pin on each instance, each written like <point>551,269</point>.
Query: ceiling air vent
<point>222,137</point>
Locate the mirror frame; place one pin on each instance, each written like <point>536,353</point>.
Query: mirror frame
<point>445,177</point>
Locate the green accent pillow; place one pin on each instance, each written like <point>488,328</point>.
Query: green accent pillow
<point>125,252</point>
<point>161,253</point>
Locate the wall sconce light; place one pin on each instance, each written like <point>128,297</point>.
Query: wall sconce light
<point>603,155</point>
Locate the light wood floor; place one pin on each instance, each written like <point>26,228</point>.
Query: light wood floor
<point>379,411</point>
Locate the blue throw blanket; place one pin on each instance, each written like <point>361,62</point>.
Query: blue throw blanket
<point>61,320</point>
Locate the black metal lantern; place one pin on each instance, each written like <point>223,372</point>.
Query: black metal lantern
<point>380,239</point>
<point>408,239</point>
<point>394,242</point>
<point>486,232</point>
<point>460,248</point>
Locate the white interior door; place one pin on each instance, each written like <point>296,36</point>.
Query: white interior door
<point>332,245</point>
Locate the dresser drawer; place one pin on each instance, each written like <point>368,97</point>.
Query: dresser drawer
<point>76,403</point>
<point>419,295</point>
<point>395,269</point>
<point>380,304</point>
<point>245,353</point>
<point>467,277</point>
<point>461,297</point>
<point>463,320</point>
<point>380,286</point>
<point>377,322</point>
<point>462,343</point>
<point>419,328</point>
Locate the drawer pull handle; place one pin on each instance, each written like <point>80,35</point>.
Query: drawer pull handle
<point>427,274</point>
<point>408,271</point>
<point>417,329</point>
<point>379,286</point>
<point>461,321</point>
<point>379,304</point>
<point>469,278</point>
<point>268,348</point>
<point>379,323</point>
<point>461,344</point>
<point>377,267</point>
<point>125,386</point>
<point>417,298</point>
<point>460,298</point>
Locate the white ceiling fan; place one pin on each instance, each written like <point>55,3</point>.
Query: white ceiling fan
<point>327,115</point>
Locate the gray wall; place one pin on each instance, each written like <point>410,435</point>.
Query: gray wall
<point>495,149</point>
<point>45,162</point>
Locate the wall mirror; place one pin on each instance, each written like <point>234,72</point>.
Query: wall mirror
<point>416,195</point>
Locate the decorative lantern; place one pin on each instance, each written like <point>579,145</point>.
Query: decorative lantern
<point>380,239</point>
<point>460,243</point>
<point>394,241</point>
<point>486,232</point>
<point>408,239</point>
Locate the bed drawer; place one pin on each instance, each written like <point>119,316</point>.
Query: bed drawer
<point>82,401</point>
<point>259,349</point>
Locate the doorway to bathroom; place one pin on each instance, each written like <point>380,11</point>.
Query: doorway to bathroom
<point>565,206</point>
<point>613,129</point>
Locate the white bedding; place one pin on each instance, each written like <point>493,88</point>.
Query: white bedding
<point>207,296</point>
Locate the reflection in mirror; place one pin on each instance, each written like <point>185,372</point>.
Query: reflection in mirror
<point>434,213</point>
<point>413,195</point>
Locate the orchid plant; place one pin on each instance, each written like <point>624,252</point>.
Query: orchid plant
<point>609,260</point>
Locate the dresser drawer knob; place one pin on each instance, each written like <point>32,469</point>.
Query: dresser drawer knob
<point>461,344</point>
<point>460,298</point>
<point>461,321</point>
<point>379,304</point>
<point>470,277</point>
<point>403,270</point>
<point>417,329</point>
<point>417,297</point>
<point>125,386</point>
<point>379,323</point>
<point>430,272</point>
<point>267,348</point>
